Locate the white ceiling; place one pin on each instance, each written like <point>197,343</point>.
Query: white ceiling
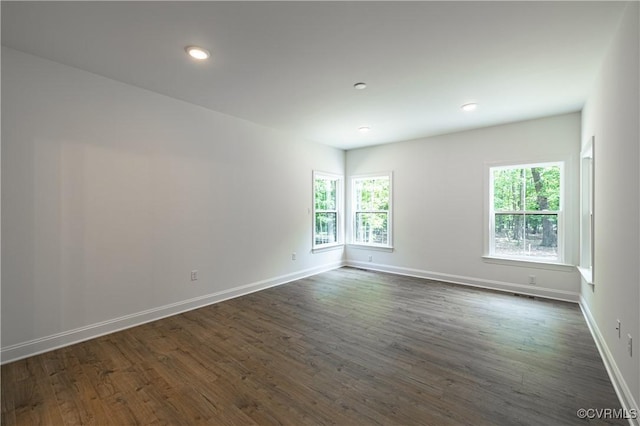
<point>292,65</point>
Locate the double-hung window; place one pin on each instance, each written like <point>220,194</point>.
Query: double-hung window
<point>327,207</point>
<point>526,212</point>
<point>371,210</point>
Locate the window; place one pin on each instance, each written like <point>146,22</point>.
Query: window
<point>586,211</point>
<point>371,221</point>
<point>526,212</point>
<point>326,210</point>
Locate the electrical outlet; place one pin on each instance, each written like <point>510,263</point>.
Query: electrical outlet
<point>370,258</point>
<point>194,275</point>
<point>618,327</point>
<point>630,345</point>
<point>293,256</point>
<point>532,279</point>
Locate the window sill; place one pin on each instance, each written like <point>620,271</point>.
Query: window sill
<point>328,247</point>
<point>526,263</point>
<point>371,247</point>
<point>587,274</point>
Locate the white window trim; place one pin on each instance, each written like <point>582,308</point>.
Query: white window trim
<point>489,256</point>
<point>317,248</point>
<point>375,247</point>
<point>352,213</point>
<point>587,193</point>
<point>528,263</point>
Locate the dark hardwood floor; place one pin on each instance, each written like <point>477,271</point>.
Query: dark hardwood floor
<point>347,347</point>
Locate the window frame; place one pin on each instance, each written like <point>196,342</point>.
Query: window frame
<point>587,213</point>
<point>490,254</point>
<point>338,210</point>
<point>353,212</point>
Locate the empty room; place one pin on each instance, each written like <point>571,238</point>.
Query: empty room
<point>314,213</point>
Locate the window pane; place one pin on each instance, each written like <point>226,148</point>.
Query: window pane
<point>326,228</point>
<point>543,188</point>
<point>372,194</point>
<point>508,188</point>
<point>509,234</point>
<point>527,235</point>
<point>542,236</point>
<point>326,194</point>
<point>371,228</point>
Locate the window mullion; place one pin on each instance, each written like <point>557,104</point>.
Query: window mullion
<point>528,212</point>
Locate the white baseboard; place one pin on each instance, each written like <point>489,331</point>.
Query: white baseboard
<point>70,337</point>
<point>617,379</point>
<point>620,385</point>
<point>529,290</point>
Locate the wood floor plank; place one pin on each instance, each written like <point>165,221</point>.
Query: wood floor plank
<point>347,347</point>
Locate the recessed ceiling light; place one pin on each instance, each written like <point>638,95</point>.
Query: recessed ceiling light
<point>360,86</point>
<point>364,129</point>
<point>469,107</point>
<point>197,52</point>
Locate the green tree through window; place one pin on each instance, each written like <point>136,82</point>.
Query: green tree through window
<point>526,209</point>
<point>371,210</point>
<point>326,209</point>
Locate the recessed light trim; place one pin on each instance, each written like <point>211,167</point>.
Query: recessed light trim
<point>364,129</point>
<point>469,107</point>
<point>360,86</point>
<point>198,53</point>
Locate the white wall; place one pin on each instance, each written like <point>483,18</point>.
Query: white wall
<point>612,114</point>
<point>112,194</point>
<point>439,201</point>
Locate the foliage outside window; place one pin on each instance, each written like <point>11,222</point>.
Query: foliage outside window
<point>526,212</point>
<point>372,210</point>
<point>326,209</point>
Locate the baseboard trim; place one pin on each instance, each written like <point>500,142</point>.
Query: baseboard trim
<point>529,290</point>
<point>66,338</point>
<point>617,379</point>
